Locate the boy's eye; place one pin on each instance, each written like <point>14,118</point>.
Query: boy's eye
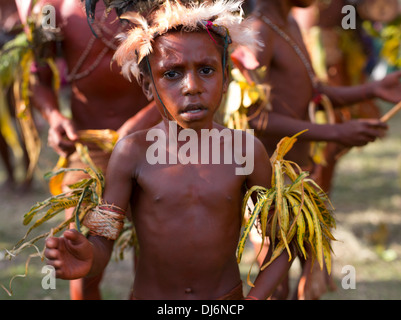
<point>171,74</point>
<point>207,70</point>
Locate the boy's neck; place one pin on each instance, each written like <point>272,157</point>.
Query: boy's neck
<point>197,128</point>
<point>277,10</point>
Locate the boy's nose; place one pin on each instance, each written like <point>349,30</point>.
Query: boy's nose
<point>191,84</point>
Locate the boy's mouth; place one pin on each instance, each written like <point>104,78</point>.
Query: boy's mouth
<point>193,112</point>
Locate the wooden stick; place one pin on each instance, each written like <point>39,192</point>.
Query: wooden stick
<point>391,113</point>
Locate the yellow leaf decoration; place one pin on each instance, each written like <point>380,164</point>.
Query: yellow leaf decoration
<point>302,212</point>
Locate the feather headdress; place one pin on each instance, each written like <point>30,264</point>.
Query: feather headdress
<point>223,17</point>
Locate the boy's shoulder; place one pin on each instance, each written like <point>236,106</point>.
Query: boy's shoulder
<point>137,138</point>
<point>128,154</point>
<point>134,144</point>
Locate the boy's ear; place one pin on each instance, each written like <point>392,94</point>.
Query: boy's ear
<point>147,86</point>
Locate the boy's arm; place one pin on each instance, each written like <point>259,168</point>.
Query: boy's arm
<point>268,279</point>
<point>350,134</point>
<point>118,189</point>
<point>75,256</point>
<point>388,89</point>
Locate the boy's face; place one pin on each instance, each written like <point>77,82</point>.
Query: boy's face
<point>188,75</point>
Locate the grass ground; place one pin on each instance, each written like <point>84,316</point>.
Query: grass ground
<point>366,195</point>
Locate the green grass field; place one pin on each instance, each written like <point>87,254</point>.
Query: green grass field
<point>366,194</point>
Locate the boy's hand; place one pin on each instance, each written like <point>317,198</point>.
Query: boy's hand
<point>389,89</point>
<point>70,255</point>
<point>357,133</point>
<point>62,134</point>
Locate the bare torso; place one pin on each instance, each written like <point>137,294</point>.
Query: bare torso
<point>188,220</point>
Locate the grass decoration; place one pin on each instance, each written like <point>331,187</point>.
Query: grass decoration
<point>83,196</point>
<point>295,214</point>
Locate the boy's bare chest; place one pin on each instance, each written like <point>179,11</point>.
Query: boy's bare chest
<point>200,205</point>
<point>193,184</point>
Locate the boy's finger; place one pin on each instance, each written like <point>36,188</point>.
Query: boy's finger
<point>71,133</point>
<point>57,264</point>
<point>73,235</point>
<point>51,254</point>
<point>52,243</point>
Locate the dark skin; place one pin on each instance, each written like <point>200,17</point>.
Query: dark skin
<point>290,106</point>
<point>187,217</point>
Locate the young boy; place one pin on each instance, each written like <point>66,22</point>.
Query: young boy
<point>187,216</point>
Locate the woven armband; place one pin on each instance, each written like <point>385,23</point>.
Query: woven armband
<point>105,220</point>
